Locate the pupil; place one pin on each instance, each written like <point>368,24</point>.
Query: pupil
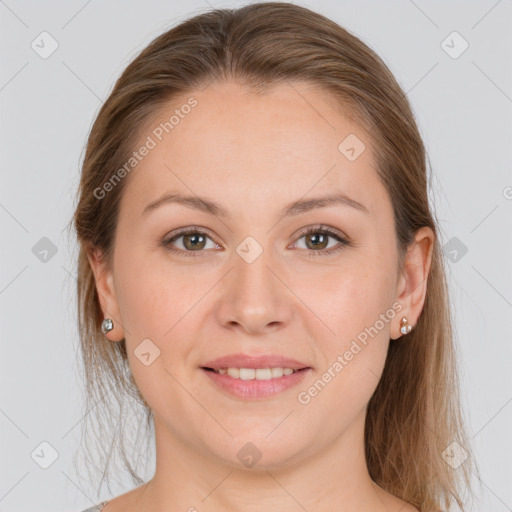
<point>315,237</point>
<point>194,244</point>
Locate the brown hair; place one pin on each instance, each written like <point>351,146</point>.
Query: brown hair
<point>415,412</point>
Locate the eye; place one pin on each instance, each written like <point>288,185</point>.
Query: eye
<point>194,240</point>
<point>319,242</point>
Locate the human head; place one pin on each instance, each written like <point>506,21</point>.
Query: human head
<point>266,48</point>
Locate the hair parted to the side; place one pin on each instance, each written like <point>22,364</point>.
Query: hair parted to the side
<point>415,412</point>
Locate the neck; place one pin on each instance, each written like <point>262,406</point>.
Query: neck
<point>334,478</point>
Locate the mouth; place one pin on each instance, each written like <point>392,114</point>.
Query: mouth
<point>254,383</point>
<point>255,373</point>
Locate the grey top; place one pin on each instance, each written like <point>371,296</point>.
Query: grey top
<point>96,508</point>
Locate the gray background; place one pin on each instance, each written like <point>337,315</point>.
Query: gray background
<point>464,109</point>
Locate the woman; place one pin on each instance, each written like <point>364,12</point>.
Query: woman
<point>259,266</point>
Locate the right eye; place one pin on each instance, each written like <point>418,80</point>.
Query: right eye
<point>193,241</point>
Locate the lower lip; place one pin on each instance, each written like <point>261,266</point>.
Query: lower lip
<point>255,388</point>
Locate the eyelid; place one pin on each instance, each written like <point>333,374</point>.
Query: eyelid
<point>325,228</point>
<point>189,230</point>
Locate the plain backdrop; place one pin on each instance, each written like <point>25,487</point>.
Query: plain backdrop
<point>460,87</point>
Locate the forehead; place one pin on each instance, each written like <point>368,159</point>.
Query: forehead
<point>242,146</point>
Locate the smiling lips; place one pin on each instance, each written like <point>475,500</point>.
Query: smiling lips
<point>247,376</point>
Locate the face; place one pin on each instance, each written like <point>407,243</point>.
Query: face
<point>246,279</point>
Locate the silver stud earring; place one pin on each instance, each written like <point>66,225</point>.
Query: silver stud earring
<point>107,325</point>
<point>405,326</point>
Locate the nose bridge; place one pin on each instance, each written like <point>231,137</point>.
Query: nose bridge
<point>253,280</point>
<point>254,297</point>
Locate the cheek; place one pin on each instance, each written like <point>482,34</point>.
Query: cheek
<point>355,303</point>
<point>156,303</point>
<point>346,298</point>
<point>356,354</point>
<point>154,294</point>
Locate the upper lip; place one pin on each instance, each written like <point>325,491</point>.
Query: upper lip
<point>254,361</point>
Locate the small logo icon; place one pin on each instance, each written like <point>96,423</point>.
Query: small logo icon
<point>44,455</point>
<point>249,249</point>
<point>454,455</point>
<point>146,352</point>
<point>249,455</point>
<point>454,45</point>
<point>44,45</point>
<point>351,147</point>
<point>44,250</point>
<point>454,249</point>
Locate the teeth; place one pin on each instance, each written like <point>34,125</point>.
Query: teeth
<point>256,373</point>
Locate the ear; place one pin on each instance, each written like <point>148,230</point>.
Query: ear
<point>104,280</point>
<point>412,282</point>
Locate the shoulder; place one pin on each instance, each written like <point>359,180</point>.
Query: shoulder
<point>96,508</point>
<point>394,503</point>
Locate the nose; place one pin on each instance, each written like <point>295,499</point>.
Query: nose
<point>254,297</point>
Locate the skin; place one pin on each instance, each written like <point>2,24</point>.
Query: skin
<point>254,155</point>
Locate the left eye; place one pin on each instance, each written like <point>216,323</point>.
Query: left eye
<point>318,239</point>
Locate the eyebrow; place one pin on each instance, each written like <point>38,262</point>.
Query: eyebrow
<point>297,207</point>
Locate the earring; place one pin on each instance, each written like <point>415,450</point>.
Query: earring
<point>405,326</point>
<point>107,325</point>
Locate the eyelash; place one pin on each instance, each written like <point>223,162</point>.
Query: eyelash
<point>322,229</point>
